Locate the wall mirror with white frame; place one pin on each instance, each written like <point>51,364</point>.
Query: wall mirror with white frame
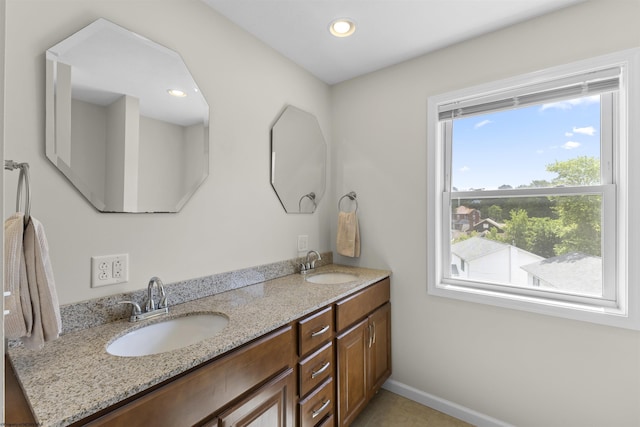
<point>125,121</point>
<point>298,160</point>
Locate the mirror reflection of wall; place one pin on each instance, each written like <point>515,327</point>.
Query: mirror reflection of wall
<point>298,160</point>
<point>114,128</point>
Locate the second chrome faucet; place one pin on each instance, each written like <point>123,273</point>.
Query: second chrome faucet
<point>309,264</point>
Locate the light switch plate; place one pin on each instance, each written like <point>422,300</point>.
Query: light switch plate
<point>303,243</point>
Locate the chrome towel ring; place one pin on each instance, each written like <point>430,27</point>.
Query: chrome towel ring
<point>351,196</point>
<point>23,181</point>
<point>311,196</point>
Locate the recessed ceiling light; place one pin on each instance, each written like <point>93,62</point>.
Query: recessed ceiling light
<point>177,92</point>
<point>342,27</point>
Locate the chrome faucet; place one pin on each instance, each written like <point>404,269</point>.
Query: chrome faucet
<point>309,264</point>
<point>151,309</point>
<point>151,305</point>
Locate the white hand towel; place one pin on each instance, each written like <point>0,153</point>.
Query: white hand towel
<point>348,238</point>
<point>18,322</point>
<point>47,323</point>
<point>33,304</point>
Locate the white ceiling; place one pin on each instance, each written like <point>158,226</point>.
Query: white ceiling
<point>388,31</point>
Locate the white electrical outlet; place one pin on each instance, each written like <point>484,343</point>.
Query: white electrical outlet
<point>303,243</point>
<point>109,270</point>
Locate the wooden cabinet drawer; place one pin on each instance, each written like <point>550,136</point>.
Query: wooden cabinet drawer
<point>327,422</point>
<point>315,330</point>
<point>318,405</point>
<point>359,305</point>
<point>315,369</point>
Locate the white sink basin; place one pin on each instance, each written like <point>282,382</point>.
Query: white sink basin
<point>331,278</point>
<point>169,335</point>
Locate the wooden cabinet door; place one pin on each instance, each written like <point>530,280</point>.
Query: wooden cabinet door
<point>352,378</point>
<point>271,405</point>
<point>379,365</point>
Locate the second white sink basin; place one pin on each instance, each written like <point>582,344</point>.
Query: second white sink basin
<point>331,278</point>
<point>168,335</point>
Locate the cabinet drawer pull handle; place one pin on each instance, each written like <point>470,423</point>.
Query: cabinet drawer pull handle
<point>370,336</point>
<point>374,332</point>
<point>320,331</point>
<point>321,409</point>
<point>321,370</point>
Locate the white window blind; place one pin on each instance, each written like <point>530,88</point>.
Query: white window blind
<point>591,83</point>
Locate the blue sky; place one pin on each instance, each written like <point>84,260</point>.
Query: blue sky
<point>514,146</point>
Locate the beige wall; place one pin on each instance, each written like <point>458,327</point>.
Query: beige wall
<point>521,368</point>
<point>234,220</point>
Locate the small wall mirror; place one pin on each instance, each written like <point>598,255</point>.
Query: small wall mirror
<point>298,160</point>
<point>126,122</point>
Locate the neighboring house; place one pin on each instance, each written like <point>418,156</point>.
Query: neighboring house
<point>560,273</point>
<point>487,225</point>
<point>464,218</point>
<point>488,260</point>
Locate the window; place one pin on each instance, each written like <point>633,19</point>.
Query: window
<point>543,159</point>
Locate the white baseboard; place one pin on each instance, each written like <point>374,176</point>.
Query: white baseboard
<point>442,405</point>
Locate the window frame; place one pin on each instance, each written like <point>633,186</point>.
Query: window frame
<point>619,246</point>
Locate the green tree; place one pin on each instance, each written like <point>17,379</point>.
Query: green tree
<point>516,229</point>
<point>464,236</point>
<point>537,183</point>
<point>536,235</point>
<point>543,236</point>
<point>493,234</point>
<point>495,212</point>
<point>579,215</point>
<point>581,170</point>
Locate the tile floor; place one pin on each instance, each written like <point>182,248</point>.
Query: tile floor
<point>388,409</point>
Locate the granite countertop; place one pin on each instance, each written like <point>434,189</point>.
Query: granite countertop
<point>74,377</point>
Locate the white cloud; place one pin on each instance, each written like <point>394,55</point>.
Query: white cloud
<point>569,104</point>
<point>570,145</point>
<point>589,130</point>
<point>568,134</point>
<point>465,169</point>
<point>482,123</point>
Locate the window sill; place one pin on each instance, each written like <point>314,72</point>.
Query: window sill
<point>608,316</point>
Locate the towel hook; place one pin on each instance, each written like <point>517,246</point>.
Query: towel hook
<point>352,196</point>
<point>23,180</point>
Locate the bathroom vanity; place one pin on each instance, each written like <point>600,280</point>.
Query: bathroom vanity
<point>294,353</point>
